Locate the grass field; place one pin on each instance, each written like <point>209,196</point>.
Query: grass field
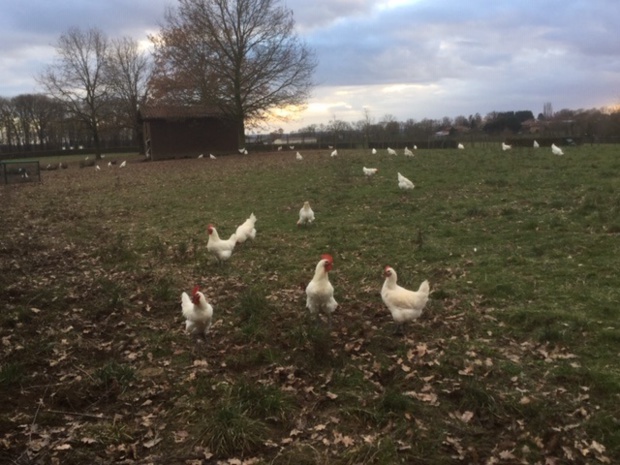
<point>514,361</point>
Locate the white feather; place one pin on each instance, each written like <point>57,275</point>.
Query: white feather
<point>247,229</point>
<point>198,317</point>
<point>306,214</point>
<point>369,171</point>
<point>403,304</point>
<point>320,292</point>
<point>404,183</point>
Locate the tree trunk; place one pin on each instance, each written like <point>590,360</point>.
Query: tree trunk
<point>97,144</point>
<point>240,133</point>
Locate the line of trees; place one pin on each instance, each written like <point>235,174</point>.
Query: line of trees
<point>240,57</point>
<point>91,97</point>
<point>593,125</point>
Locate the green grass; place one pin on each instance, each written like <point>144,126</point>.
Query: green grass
<point>517,352</point>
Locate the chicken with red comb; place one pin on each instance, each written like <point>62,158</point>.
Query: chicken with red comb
<point>197,311</point>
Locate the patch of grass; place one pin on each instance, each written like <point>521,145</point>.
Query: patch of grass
<point>163,289</point>
<point>382,451</point>
<point>261,401</point>
<point>314,337</point>
<point>110,296</point>
<point>115,373</point>
<point>229,431</point>
<point>603,381</point>
<point>118,250</point>
<point>521,252</point>
<point>11,374</point>
<point>394,401</point>
<point>300,454</point>
<point>255,313</point>
<point>478,398</point>
<point>251,359</point>
<point>109,432</point>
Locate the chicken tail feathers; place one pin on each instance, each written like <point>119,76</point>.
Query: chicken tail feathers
<point>187,306</point>
<point>425,287</point>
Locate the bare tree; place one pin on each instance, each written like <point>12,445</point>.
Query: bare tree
<point>241,56</point>
<point>77,78</point>
<point>128,71</point>
<point>8,127</point>
<point>37,114</point>
<point>365,125</point>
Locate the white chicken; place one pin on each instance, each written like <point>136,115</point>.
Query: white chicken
<point>506,147</point>
<point>460,146</point>
<point>374,151</point>
<point>201,155</point>
<point>212,157</point>
<point>334,153</point>
<point>536,144</point>
<point>370,171</point>
<point>404,183</point>
<point>247,229</point>
<point>298,156</point>
<point>556,150</point>
<point>408,153</point>
<point>391,151</point>
<point>222,249</point>
<point>123,165</point>
<point>319,291</point>
<point>197,311</point>
<point>403,304</point>
<point>306,214</point>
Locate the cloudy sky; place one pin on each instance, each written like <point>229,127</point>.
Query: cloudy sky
<point>406,58</point>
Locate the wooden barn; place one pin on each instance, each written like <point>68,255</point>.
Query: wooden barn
<point>186,131</point>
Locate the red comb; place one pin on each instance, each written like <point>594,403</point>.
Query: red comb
<point>327,257</point>
<point>196,289</point>
<point>386,267</point>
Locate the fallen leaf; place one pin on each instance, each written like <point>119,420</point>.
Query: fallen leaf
<point>152,443</point>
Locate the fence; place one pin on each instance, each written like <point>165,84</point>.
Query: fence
<point>17,172</point>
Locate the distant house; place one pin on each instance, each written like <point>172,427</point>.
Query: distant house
<point>533,126</point>
<point>186,131</point>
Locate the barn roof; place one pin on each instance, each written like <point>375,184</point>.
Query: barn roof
<point>150,112</point>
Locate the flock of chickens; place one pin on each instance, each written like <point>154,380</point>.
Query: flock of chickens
<point>404,305</point>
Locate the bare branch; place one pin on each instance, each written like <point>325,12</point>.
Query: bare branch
<point>239,55</point>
